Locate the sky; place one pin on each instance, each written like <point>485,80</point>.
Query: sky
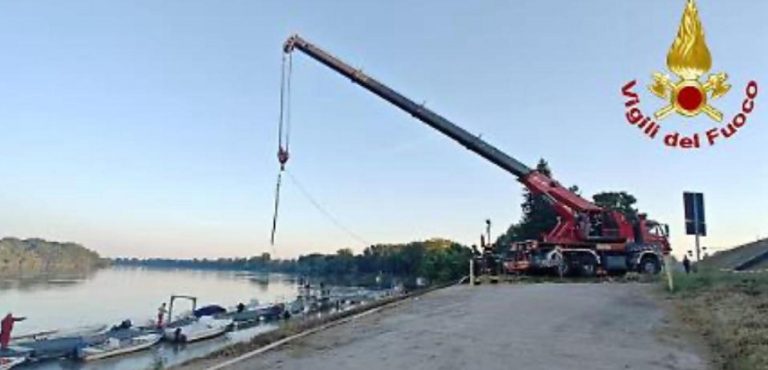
<point>148,128</point>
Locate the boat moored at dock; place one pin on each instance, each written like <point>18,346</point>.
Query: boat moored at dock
<point>115,346</point>
<point>202,328</point>
<point>6,363</point>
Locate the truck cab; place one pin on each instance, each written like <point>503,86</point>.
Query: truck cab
<point>652,232</point>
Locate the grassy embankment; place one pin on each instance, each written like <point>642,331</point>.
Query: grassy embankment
<point>730,310</point>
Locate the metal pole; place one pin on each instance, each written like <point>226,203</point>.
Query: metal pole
<point>170,309</point>
<point>696,227</point>
<point>668,267</point>
<point>488,231</point>
<point>471,272</point>
<point>698,249</point>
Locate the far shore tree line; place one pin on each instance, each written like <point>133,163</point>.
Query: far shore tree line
<point>435,259</point>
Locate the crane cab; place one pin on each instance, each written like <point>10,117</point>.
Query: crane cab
<point>652,232</point>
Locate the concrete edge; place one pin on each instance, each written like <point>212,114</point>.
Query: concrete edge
<point>328,325</point>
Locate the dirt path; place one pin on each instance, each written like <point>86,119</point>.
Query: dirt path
<point>538,326</point>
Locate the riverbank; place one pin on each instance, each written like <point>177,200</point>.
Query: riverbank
<point>531,326</point>
<point>34,257</point>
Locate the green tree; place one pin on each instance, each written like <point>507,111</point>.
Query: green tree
<point>618,201</point>
<point>439,260</point>
<point>345,252</point>
<point>539,217</point>
<point>344,262</point>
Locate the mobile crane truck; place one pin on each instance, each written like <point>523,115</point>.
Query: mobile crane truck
<point>587,239</point>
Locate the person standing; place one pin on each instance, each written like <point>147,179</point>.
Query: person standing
<point>687,264</point>
<point>161,311</point>
<point>6,327</point>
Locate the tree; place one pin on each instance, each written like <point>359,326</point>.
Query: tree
<point>344,262</point>
<point>345,252</point>
<point>617,201</point>
<point>439,260</point>
<point>539,216</point>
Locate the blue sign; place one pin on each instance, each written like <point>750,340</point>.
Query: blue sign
<point>694,214</point>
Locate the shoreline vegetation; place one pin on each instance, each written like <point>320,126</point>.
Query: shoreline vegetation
<point>31,257</point>
<point>730,312</point>
<point>436,260</point>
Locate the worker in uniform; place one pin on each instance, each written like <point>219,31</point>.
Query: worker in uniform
<point>6,327</point>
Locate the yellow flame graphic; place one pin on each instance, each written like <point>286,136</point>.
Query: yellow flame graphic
<point>689,55</point>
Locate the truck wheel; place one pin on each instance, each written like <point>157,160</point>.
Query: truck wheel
<point>650,265</point>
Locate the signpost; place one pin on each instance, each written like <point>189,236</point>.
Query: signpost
<point>694,218</point>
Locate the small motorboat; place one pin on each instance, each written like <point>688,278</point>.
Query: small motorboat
<point>12,356</point>
<point>210,310</point>
<point>264,312</point>
<point>118,345</point>
<point>296,307</point>
<point>202,328</point>
<point>62,333</point>
<point>7,363</point>
<point>57,347</point>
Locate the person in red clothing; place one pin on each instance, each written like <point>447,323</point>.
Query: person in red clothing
<point>6,327</point>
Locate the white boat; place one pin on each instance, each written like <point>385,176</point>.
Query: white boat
<point>116,346</point>
<point>82,331</point>
<point>203,328</point>
<point>8,362</point>
<point>62,333</point>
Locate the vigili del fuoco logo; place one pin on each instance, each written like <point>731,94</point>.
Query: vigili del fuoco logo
<point>691,92</point>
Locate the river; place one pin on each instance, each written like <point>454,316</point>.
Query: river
<point>113,294</point>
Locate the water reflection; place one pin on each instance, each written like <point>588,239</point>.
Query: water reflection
<point>260,280</point>
<point>31,282</point>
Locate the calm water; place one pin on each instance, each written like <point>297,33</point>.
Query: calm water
<point>111,295</point>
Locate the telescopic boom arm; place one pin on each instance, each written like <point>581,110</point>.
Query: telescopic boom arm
<point>566,203</point>
<point>425,115</point>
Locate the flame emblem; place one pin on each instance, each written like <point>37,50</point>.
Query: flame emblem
<point>689,59</point>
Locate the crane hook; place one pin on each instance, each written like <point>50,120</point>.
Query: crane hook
<point>282,157</point>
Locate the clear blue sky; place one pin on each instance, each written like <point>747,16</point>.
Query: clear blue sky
<point>148,128</point>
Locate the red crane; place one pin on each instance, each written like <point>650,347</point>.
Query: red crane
<point>587,238</point>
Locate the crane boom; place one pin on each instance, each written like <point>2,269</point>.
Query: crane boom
<point>565,202</point>
<point>434,120</point>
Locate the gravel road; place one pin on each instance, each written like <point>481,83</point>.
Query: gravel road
<point>534,326</point>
